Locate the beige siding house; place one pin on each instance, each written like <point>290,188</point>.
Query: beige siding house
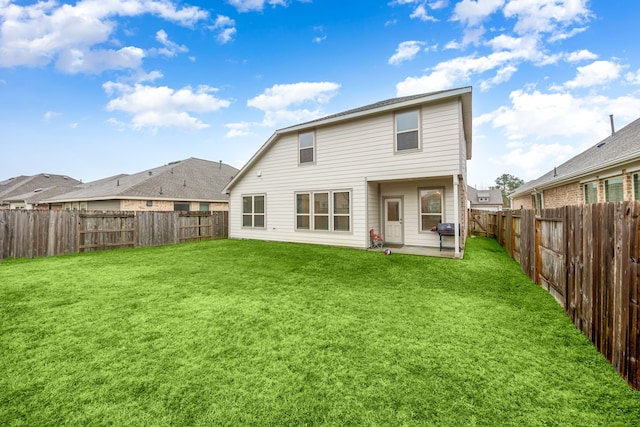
<point>186,185</point>
<point>607,172</point>
<point>397,166</point>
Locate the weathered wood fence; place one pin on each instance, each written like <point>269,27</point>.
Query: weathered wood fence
<point>588,258</point>
<point>29,234</point>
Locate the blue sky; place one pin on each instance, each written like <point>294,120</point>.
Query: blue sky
<point>95,88</point>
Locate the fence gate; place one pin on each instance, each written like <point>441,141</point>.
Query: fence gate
<point>106,230</point>
<point>195,226</point>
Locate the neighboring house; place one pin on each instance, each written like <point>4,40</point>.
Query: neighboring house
<point>607,172</point>
<point>186,185</point>
<point>486,200</point>
<point>27,192</point>
<point>398,166</point>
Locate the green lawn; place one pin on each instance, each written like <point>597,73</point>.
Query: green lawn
<point>256,333</point>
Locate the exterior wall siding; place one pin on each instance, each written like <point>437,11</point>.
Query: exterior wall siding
<point>348,156</point>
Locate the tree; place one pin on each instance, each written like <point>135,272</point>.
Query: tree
<point>507,183</point>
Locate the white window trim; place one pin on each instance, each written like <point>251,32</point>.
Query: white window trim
<point>312,148</point>
<point>331,216</point>
<point>396,132</point>
<point>420,213</point>
<point>253,213</point>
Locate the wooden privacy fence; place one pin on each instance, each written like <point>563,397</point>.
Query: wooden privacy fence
<point>29,234</point>
<point>588,258</point>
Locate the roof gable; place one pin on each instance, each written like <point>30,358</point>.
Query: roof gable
<point>392,104</point>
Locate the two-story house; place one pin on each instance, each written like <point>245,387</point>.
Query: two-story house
<point>396,166</point>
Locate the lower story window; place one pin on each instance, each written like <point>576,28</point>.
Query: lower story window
<point>613,190</point>
<point>636,186</point>
<point>323,211</point>
<point>591,192</point>
<point>253,211</point>
<point>181,206</point>
<point>431,205</point>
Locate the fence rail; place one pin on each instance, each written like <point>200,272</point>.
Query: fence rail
<point>588,258</point>
<point>30,234</point>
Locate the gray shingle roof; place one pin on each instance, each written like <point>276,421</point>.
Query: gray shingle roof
<point>622,146</point>
<point>186,180</point>
<point>9,188</point>
<point>494,195</point>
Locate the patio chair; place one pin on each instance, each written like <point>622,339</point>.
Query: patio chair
<point>377,240</point>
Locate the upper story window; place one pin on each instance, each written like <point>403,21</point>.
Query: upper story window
<point>591,192</point>
<point>407,130</point>
<point>253,211</point>
<point>306,147</point>
<point>613,190</point>
<point>636,186</point>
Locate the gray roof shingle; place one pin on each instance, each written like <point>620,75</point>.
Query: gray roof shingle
<point>187,180</point>
<point>9,188</point>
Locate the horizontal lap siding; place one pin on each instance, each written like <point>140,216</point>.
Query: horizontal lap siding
<point>411,215</point>
<point>347,155</point>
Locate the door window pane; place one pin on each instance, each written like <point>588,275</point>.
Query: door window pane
<point>393,211</point>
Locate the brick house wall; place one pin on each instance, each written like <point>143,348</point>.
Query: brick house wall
<point>569,194</point>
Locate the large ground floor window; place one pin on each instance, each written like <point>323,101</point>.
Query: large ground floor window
<point>323,210</point>
<point>431,207</point>
<point>253,211</point>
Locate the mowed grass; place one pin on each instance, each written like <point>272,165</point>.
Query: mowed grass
<point>274,334</point>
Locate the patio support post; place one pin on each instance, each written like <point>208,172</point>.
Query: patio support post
<point>456,215</point>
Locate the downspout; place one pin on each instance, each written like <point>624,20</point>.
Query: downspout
<point>456,215</point>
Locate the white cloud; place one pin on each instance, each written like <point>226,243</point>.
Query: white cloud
<point>421,13</point>
<point>503,75</point>
<point>157,107</point>
<point>284,103</point>
<point>226,27</point>
<point>545,129</point>
<point>406,51</point>
<point>170,48</point>
<point>75,61</point>
<point>459,70</point>
<point>633,78</point>
<point>581,55</point>
<point>546,15</point>
<point>472,12</point>
<point>238,129</point>
<point>438,4</point>
<point>596,73</point>
<point>254,5</point>
<point>50,115</point>
<point>71,35</point>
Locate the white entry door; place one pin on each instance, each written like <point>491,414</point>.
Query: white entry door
<point>393,230</point>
